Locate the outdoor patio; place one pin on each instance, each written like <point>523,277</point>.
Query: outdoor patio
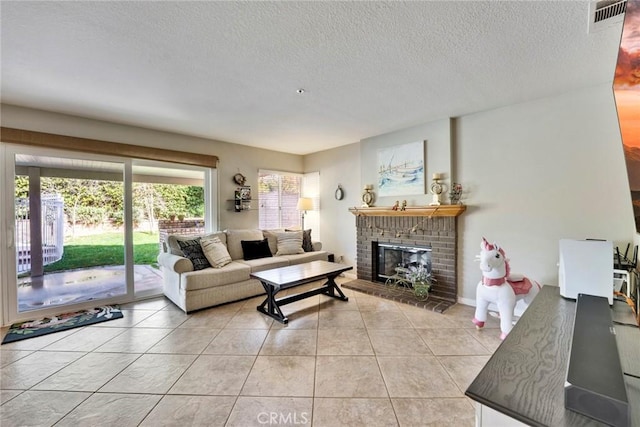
<point>75,286</point>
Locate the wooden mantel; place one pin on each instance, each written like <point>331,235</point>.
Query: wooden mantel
<point>442,210</point>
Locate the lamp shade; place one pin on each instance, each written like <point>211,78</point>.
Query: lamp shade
<point>304,204</point>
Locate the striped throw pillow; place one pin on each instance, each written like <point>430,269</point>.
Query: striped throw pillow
<point>289,243</point>
<point>216,252</point>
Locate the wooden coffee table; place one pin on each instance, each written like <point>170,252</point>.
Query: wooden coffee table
<point>278,279</point>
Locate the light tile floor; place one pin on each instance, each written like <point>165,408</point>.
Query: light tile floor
<point>365,362</point>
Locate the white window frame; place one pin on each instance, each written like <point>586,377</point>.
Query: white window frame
<point>8,289</point>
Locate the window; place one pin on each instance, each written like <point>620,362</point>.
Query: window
<point>278,194</point>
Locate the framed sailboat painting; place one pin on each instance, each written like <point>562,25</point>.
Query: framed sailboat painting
<point>401,169</point>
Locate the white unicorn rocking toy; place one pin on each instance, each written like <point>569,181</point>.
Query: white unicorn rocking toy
<point>501,288</point>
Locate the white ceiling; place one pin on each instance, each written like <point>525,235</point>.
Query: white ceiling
<point>230,70</point>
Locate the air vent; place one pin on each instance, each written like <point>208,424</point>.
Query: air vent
<point>606,13</point>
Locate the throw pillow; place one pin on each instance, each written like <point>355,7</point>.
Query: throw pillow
<point>174,248</point>
<point>289,243</point>
<point>193,251</point>
<point>271,237</point>
<point>255,249</point>
<point>307,243</point>
<point>235,237</point>
<point>216,252</point>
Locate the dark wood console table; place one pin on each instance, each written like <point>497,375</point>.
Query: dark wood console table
<point>523,382</point>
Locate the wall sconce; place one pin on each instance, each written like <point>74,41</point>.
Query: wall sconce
<point>304,204</point>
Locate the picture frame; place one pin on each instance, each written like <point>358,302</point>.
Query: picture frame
<point>401,169</point>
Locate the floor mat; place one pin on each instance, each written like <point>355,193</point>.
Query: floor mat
<point>61,322</point>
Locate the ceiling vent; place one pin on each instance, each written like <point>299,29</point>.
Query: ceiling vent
<point>605,13</point>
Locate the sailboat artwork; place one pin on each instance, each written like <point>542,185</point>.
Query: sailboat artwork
<point>401,170</point>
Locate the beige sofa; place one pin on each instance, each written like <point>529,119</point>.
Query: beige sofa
<point>193,290</point>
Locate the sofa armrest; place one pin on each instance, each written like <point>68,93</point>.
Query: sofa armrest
<point>317,246</point>
<point>175,263</point>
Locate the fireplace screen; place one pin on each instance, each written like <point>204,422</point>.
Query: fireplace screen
<point>389,256</point>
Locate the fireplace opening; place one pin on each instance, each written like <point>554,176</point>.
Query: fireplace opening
<point>389,256</point>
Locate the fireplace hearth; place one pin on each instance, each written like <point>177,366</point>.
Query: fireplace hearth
<point>438,232</point>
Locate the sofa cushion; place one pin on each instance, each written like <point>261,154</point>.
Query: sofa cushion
<point>255,249</point>
<point>193,251</point>
<point>235,237</point>
<point>174,248</point>
<point>215,251</point>
<point>262,264</point>
<point>289,243</point>
<point>230,274</point>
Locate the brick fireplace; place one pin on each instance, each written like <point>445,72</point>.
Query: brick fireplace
<point>421,226</point>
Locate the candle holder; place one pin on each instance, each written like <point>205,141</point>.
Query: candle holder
<point>437,188</point>
<point>367,196</point>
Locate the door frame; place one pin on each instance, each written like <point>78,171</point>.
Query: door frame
<point>8,286</point>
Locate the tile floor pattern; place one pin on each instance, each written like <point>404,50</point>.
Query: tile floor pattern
<point>365,362</point>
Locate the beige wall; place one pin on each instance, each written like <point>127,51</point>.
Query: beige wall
<point>338,166</point>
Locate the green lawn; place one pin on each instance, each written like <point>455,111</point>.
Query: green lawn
<point>105,249</point>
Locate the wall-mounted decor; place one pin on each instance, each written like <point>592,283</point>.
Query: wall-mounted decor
<point>242,198</point>
<point>401,169</point>
<point>626,85</point>
<point>339,194</point>
<point>239,179</point>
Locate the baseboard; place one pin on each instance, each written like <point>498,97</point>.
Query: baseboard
<point>467,301</point>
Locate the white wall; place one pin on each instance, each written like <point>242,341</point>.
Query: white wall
<point>438,157</point>
<point>233,158</point>
<point>537,172</point>
<point>338,166</point>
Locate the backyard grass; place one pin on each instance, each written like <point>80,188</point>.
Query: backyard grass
<point>106,249</point>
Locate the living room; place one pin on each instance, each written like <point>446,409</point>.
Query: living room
<point>539,168</point>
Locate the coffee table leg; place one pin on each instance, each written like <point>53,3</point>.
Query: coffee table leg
<point>332,287</point>
<point>272,309</point>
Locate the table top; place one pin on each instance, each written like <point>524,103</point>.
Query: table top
<point>524,378</point>
<point>300,273</point>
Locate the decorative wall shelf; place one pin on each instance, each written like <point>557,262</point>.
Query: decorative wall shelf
<point>442,210</point>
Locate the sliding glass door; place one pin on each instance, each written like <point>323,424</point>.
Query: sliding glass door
<point>86,230</point>
<point>167,199</point>
<point>68,239</point>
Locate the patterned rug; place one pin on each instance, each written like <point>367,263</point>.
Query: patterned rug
<point>61,322</point>
<point>405,295</point>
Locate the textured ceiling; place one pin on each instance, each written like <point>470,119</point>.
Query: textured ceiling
<point>230,70</point>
